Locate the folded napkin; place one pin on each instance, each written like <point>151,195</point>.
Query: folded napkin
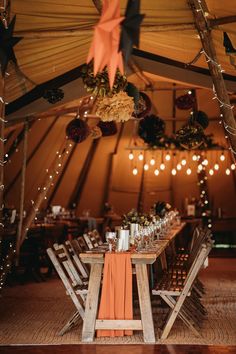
<point>116,299</point>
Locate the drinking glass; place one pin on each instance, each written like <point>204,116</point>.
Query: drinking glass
<point>111,239</point>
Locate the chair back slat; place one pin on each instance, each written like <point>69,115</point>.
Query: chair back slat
<point>73,254</point>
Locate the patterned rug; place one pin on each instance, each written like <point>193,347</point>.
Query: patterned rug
<point>34,313</point>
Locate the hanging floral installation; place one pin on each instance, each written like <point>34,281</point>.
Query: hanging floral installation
<point>104,48</point>
<point>7,42</point>
<point>143,107</point>
<point>117,108</point>
<point>130,31</point>
<point>99,84</point>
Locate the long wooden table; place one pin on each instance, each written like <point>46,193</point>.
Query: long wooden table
<point>140,260</point>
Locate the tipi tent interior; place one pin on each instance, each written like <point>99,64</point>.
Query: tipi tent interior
<point>73,161</point>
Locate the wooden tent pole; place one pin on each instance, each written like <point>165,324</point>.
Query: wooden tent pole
<point>58,183</point>
<point>216,74</point>
<point>22,192</point>
<point>51,175</point>
<point>33,152</point>
<point>18,140</point>
<point>110,167</point>
<point>75,197</point>
<point>2,117</point>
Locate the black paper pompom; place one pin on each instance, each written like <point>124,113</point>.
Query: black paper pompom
<point>144,106</point>
<point>185,101</point>
<point>201,118</point>
<point>53,95</point>
<point>77,130</point>
<point>107,128</point>
<point>132,91</point>
<point>151,129</point>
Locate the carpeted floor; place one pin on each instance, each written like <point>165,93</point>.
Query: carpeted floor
<point>34,313</point>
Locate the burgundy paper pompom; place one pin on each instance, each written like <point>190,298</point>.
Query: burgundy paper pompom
<point>185,101</point>
<point>107,128</point>
<point>144,106</point>
<point>77,130</point>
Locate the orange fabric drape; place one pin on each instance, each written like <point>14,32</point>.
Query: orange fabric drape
<point>116,299</point>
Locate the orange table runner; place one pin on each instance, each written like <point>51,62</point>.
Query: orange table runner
<point>116,299</point>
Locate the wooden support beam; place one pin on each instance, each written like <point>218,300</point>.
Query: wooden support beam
<point>58,183</point>
<point>2,154</point>
<point>215,22</point>
<point>110,167</point>
<point>31,155</point>
<point>75,196</point>
<point>22,192</point>
<point>216,74</point>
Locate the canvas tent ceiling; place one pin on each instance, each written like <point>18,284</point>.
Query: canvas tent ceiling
<point>57,35</point>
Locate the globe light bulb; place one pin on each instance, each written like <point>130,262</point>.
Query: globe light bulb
<point>179,167</point>
<point>146,167</point>
<point>194,158</point>
<point>189,171</point>
<point>162,166</point>
<point>233,166</point>
<point>200,167</point>
<point>216,166</point>
<point>173,171</point>
<point>205,162</point>
<point>135,171</point>
<point>131,155</point>
<point>168,156</point>
<point>189,92</point>
<point>211,172</point>
<point>140,156</point>
<point>183,162</point>
<point>227,171</point>
<point>222,157</point>
<point>156,172</point>
<point>152,161</point>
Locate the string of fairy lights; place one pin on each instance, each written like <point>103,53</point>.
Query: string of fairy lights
<point>179,163</point>
<point>229,129</point>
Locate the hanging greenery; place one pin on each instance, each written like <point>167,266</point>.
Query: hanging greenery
<point>201,118</point>
<point>77,130</point>
<point>190,136</point>
<point>99,84</point>
<point>144,106</point>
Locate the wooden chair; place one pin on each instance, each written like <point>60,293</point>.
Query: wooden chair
<point>97,237</point>
<point>74,255</point>
<point>178,295</point>
<point>73,283</point>
<point>82,244</point>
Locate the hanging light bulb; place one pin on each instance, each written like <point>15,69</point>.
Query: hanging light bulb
<point>211,172</point>
<point>173,171</point>
<point>146,167</point>
<point>140,156</point>
<point>178,166</point>
<point>162,166</point>
<point>135,171</point>
<point>189,92</point>
<point>156,172</point>
<point>168,156</point>
<point>227,171</point>
<point>152,161</point>
<point>205,162</point>
<point>189,171</point>
<point>194,158</point>
<point>200,167</point>
<point>131,155</point>
<point>216,166</point>
<point>233,166</point>
<point>183,162</point>
<point>222,157</point>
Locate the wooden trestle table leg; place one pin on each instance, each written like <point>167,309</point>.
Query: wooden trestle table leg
<point>145,303</point>
<point>91,307</point>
